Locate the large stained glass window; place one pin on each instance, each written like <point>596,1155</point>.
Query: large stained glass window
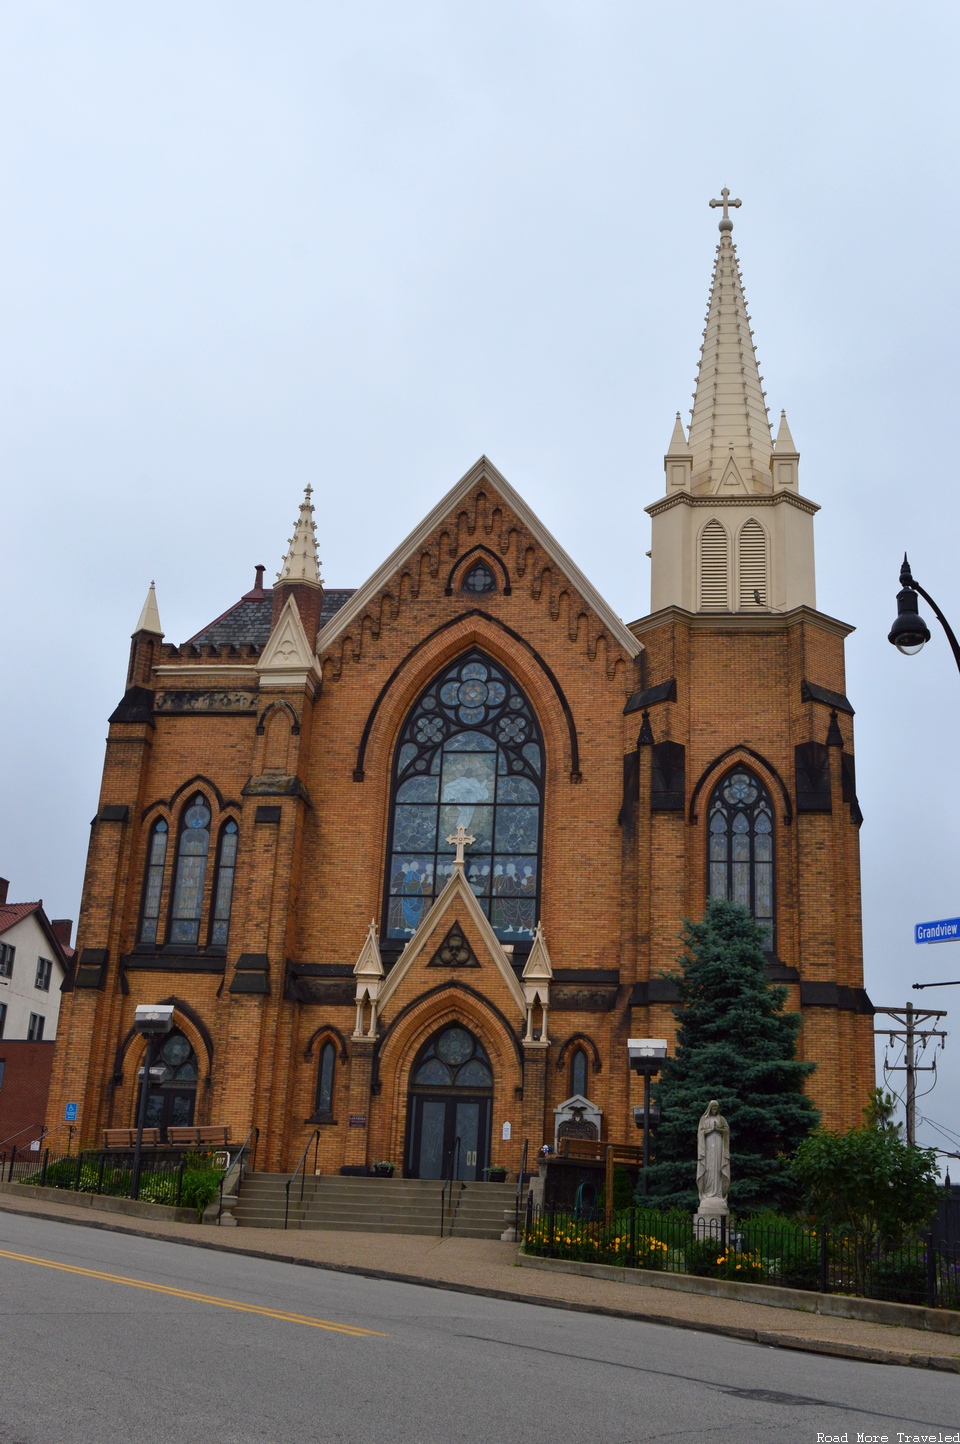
<point>470,752</point>
<point>223,887</point>
<point>153,882</point>
<point>740,833</point>
<point>192,852</point>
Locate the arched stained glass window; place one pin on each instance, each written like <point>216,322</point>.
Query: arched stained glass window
<point>325,1076</point>
<point>470,752</point>
<point>479,579</point>
<point>153,882</point>
<point>453,1059</point>
<point>192,851</point>
<point>740,833</point>
<point>223,887</point>
<point>578,1073</point>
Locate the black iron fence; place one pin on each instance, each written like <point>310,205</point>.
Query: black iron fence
<point>765,1250</point>
<point>161,1177</point>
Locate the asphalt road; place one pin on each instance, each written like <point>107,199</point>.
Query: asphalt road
<point>272,1353</point>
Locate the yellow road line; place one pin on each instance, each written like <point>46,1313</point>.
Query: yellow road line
<point>350,1329</point>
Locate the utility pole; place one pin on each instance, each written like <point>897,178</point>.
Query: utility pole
<point>912,1019</point>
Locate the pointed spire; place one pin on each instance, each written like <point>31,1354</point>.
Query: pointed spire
<point>784,440</point>
<point>301,564</point>
<point>369,964</point>
<point>729,407</point>
<point>678,441</point>
<point>538,967</point>
<point>150,615</point>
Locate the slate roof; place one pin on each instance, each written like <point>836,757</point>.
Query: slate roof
<point>249,620</point>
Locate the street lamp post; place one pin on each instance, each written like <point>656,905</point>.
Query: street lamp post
<point>153,1021</point>
<point>646,1056</point>
<point>910,632</point>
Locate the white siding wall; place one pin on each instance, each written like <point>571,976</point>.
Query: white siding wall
<point>20,992</point>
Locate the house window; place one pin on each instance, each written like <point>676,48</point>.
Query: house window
<point>325,1072</point>
<point>479,579</point>
<point>3,1017</point>
<point>153,882</point>
<point>578,1073</point>
<point>35,1028</point>
<point>7,951</point>
<point>223,887</point>
<point>2,1061</point>
<point>192,851</point>
<point>740,844</point>
<point>470,753</point>
<point>44,971</point>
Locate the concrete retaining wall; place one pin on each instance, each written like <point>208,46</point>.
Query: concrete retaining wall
<point>840,1306</point>
<point>102,1202</point>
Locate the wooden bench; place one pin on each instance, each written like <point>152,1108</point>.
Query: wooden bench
<point>589,1150</point>
<point>205,1137</point>
<point>127,1138</point>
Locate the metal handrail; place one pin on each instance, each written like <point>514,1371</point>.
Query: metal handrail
<point>237,1163</point>
<point>26,1129</point>
<point>523,1169</point>
<point>315,1139</point>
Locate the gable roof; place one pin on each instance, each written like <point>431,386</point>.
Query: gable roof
<point>12,913</point>
<point>482,470</point>
<point>456,891</point>
<point>248,621</point>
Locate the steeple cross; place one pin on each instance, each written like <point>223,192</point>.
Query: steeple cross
<point>460,840</point>
<point>726,202</point>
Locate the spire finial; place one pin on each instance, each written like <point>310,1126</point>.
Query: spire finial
<point>726,224</point>
<point>301,563</point>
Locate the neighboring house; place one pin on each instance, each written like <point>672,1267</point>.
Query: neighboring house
<point>35,953</point>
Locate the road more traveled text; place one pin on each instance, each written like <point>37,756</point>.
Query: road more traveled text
<point>900,1437</point>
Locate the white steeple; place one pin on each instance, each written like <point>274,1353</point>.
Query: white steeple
<point>301,563</point>
<point>732,534</point>
<point>149,615</point>
<point>729,420</point>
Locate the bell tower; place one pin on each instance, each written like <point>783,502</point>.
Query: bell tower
<point>733,533</point>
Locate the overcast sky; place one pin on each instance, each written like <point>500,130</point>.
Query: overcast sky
<point>247,246</point>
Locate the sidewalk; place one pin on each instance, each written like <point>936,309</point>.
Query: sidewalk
<point>485,1267</point>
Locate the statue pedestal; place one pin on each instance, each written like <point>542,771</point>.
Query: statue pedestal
<point>709,1221</point>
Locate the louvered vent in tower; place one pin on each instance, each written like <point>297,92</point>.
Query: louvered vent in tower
<point>714,592</point>
<point>752,566</point>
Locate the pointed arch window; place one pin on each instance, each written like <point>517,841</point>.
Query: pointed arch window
<point>740,847</point>
<point>153,882</point>
<point>714,568</point>
<point>752,565</point>
<point>223,886</point>
<point>470,752</point>
<point>192,851</point>
<point>326,1070</point>
<point>578,1073</point>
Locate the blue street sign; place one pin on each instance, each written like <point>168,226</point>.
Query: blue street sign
<point>70,1114</point>
<point>947,930</point>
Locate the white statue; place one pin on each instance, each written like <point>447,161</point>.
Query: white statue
<point>713,1162</point>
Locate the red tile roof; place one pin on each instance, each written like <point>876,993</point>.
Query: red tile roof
<point>11,913</point>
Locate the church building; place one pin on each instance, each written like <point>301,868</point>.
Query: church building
<point>411,861</point>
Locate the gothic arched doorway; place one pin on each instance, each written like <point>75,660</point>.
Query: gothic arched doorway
<point>451,1090</point>
<point>171,1099</point>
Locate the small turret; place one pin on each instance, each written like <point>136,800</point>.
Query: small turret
<point>785,461</point>
<point>145,642</point>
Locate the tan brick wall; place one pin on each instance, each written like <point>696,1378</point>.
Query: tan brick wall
<point>612,897</point>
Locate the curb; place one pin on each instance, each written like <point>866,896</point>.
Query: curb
<point>770,1338</point>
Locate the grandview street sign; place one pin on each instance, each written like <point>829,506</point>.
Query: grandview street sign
<point>946,930</point>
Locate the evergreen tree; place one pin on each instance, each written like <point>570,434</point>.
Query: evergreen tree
<point>736,1044</point>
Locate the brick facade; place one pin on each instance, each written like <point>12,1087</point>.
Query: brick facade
<point>308,778</point>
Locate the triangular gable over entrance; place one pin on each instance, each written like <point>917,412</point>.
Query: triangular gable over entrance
<point>455,901</point>
<point>482,471</point>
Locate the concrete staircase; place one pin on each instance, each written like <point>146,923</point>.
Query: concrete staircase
<point>376,1205</point>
